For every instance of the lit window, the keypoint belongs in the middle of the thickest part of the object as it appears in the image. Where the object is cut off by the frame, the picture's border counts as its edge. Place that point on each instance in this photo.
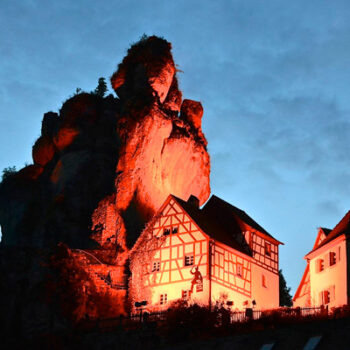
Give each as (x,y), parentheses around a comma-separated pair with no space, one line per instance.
(185,294)
(156,266)
(239,270)
(267,249)
(166,232)
(263,281)
(319,265)
(332,258)
(188,260)
(163,299)
(175,230)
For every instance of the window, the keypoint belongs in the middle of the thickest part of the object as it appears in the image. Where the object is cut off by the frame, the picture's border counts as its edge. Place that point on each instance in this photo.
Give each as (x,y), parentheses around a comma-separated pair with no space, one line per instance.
(319,265)
(267,249)
(325,297)
(263,281)
(163,299)
(166,231)
(188,260)
(186,294)
(156,266)
(239,270)
(332,258)
(175,230)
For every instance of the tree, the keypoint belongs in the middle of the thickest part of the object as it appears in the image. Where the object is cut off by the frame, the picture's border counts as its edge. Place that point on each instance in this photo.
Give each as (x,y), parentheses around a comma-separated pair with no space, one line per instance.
(101,88)
(6,172)
(285,297)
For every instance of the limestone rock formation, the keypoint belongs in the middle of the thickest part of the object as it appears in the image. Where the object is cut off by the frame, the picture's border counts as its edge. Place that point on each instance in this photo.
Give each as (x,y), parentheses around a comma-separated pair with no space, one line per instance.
(103,165)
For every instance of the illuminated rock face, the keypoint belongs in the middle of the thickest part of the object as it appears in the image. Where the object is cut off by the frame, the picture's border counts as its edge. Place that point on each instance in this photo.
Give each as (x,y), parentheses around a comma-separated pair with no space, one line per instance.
(103,166)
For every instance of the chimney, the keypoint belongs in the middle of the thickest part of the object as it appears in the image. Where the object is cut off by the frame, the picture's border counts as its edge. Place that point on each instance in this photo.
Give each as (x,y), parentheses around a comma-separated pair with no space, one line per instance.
(193,200)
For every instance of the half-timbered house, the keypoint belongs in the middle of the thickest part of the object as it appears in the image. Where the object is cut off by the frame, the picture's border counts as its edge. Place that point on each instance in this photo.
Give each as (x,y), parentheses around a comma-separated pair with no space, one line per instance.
(216,253)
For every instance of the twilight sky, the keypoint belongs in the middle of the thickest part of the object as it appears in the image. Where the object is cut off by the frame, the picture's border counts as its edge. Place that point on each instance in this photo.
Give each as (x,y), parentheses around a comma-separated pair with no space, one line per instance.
(273,78)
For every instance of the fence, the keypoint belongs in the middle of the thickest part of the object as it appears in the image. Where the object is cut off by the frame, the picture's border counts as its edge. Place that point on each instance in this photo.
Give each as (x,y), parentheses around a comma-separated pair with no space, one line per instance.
(235,316)
(239,316)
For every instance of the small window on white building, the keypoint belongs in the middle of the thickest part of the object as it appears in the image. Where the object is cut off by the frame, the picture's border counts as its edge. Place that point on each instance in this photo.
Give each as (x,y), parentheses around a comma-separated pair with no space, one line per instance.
(156,266)
(185,294)
(175,230)
(267,249)
(263,281)
(319,265)
(188,260)
(239,271)
(166,231)
(332,258)
(163,299)
(325,297)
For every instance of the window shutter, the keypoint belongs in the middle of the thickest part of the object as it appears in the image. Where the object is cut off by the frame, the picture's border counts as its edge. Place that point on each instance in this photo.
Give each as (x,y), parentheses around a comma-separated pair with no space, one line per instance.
(320,298)
(326,260)
(332,293)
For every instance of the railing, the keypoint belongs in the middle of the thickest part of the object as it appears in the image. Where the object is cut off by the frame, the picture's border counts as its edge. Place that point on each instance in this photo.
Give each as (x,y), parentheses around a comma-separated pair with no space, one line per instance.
(134,320)
(238,316)
(89,254)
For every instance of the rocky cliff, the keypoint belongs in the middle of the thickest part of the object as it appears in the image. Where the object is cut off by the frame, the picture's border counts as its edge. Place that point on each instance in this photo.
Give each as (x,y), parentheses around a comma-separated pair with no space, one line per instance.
(103,165)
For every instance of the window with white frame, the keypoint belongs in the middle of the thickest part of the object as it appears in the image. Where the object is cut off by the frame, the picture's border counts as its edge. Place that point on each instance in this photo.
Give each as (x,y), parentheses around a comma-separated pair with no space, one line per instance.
(239,270)
(156,266)
(185,294)
(188,260)
(163,299)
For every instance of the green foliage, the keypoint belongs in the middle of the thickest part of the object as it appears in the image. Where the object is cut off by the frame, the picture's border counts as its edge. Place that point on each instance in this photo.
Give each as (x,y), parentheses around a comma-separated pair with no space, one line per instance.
(101,88)
(7,172)
(285,297)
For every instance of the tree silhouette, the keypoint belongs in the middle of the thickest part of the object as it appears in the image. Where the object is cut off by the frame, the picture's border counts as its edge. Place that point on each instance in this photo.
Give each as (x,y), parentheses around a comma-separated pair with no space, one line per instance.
(101,88)
(6,172)
(285,297)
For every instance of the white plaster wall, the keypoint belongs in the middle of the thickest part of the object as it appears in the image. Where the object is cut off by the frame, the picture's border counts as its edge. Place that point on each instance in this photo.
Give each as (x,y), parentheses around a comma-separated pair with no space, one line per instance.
(238,299)
(331,275)
(174,292)
(265,297)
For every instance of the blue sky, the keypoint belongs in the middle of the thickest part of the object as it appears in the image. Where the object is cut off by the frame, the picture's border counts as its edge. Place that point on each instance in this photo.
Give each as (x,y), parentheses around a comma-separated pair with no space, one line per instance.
(273,77)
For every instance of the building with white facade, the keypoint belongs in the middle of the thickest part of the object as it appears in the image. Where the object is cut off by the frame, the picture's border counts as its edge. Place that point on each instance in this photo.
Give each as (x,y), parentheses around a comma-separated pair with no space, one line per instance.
(204,255)
(326,277)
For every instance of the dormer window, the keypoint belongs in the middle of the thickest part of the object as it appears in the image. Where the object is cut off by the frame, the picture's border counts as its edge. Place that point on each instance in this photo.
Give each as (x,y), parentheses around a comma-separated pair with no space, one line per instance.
(267,249)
